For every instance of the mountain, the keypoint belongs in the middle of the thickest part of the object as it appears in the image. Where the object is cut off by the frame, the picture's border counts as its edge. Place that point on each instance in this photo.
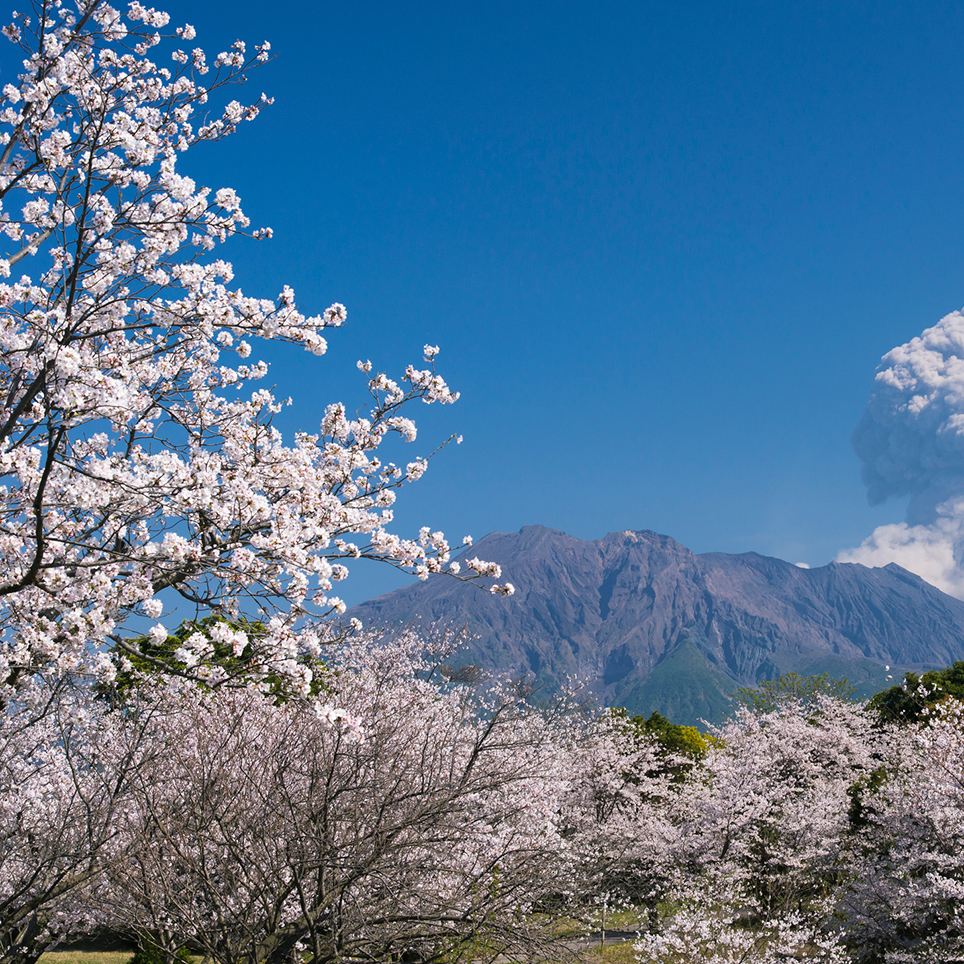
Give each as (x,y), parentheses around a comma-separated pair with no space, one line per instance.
(654,626)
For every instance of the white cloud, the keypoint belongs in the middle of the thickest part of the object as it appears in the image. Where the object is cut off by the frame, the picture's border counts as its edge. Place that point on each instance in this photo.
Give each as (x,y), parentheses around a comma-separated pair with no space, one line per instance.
(911,442)
(932,552)
(911,435)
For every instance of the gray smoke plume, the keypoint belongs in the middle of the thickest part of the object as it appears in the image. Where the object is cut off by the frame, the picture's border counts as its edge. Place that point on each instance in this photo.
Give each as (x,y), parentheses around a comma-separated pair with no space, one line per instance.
(911,442)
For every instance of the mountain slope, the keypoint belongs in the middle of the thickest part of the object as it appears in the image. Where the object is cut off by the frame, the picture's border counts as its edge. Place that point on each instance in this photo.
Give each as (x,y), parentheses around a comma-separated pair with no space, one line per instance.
(655,626)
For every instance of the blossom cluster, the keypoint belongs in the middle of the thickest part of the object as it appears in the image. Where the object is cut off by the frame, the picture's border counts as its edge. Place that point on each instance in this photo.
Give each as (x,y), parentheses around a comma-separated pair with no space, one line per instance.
(409,808)
(137,454)
(418,811)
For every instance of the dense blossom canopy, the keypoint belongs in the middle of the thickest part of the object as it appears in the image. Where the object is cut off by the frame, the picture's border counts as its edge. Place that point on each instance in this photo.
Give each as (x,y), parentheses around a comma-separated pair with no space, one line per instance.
(375,806)
(136,454)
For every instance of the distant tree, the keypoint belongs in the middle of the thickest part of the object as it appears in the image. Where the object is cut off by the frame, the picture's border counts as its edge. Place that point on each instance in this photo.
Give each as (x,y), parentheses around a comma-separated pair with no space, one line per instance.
(672,738)
(762,841)
(918,695)
(672,748)
(905,903)
(618,818)
(792,688)
(770,812)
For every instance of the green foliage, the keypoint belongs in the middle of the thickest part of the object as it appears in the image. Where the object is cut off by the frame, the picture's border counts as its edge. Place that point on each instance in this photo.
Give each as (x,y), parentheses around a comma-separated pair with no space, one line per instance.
(907,703)
(673,739)
(770,695)
(151,951)
(679,746)
(143,658)
(861,793)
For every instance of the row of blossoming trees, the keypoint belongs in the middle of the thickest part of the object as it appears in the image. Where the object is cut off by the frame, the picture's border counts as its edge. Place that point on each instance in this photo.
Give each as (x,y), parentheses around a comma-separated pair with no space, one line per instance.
(261,785)
(441,816)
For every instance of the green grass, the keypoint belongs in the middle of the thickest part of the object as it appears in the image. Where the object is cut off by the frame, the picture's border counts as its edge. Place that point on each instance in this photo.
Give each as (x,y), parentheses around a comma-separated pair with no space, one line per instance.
(616,953)
(610,954)
(86,957)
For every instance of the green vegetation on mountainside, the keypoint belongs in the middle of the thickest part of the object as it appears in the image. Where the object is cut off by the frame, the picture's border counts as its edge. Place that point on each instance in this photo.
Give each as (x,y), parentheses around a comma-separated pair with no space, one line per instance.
(684,688)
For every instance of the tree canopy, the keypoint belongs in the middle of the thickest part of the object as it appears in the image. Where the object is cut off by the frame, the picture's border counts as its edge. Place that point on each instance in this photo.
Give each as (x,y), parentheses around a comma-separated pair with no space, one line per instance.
(769,695)
(139,462)
(917,696)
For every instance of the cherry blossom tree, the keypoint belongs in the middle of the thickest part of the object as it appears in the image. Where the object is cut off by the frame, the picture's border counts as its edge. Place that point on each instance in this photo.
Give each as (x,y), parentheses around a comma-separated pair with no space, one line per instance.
(705,930)
(619,819)
(65,771)
(764,844)
(773,816)
(375,810)
(424,818)
(905,902)
(136,453)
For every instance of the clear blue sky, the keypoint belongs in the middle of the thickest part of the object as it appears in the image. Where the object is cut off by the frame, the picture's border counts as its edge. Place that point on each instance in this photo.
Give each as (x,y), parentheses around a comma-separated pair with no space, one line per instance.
(663,246)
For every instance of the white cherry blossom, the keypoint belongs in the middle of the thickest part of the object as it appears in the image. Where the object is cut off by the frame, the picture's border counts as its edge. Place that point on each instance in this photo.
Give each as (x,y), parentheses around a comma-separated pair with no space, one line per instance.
(136,453)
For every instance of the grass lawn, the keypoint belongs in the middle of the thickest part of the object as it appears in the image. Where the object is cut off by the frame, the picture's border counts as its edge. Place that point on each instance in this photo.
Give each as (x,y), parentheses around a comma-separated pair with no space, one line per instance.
(616,953)
(611,954)
(86,957)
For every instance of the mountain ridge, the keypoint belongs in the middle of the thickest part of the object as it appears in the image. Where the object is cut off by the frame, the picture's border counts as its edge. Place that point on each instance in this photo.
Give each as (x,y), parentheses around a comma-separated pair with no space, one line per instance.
(635,603)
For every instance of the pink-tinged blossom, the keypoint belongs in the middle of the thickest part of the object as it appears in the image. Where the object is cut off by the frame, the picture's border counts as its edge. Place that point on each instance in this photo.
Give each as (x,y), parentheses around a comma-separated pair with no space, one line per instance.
(905,901)
(411,800)
(124,327)
(765,835)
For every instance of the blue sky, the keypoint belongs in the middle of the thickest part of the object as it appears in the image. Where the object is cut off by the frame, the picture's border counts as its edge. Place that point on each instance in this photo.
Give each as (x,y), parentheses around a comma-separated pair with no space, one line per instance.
(663,246)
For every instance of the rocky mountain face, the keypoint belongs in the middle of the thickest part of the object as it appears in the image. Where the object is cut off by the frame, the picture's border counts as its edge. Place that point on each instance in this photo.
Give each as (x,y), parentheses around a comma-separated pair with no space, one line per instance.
(653,626)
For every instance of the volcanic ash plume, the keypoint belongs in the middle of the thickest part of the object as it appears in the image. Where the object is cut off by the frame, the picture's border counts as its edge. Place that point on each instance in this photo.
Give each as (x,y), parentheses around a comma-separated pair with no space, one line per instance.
(911,442)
